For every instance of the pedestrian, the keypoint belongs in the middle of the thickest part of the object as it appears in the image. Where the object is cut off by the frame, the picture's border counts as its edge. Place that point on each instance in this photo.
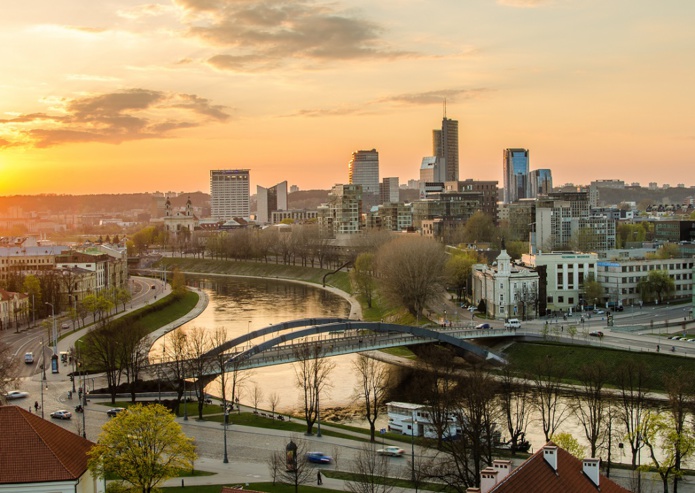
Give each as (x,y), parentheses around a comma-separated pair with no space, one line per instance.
(36,405)
(318,478)
(658,348)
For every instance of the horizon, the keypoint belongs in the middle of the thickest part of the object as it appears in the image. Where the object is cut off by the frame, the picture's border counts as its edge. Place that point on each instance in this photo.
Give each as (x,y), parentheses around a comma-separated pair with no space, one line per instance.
(131,97)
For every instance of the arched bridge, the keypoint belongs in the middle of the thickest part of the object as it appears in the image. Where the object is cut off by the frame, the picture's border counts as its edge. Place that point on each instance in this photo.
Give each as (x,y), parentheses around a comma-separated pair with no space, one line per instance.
(289,340)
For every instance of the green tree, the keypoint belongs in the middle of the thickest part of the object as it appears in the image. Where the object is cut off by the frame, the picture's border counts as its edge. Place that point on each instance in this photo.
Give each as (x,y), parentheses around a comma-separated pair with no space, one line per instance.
(570,444)
(480,227)
(362,277)
(458,270)
(593,290)
(657,284)
(178,283)
(144,446)
(32,286)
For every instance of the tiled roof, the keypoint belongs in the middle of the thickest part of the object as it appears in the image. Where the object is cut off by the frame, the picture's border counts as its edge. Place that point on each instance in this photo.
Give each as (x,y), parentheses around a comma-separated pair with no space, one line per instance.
(538,476)
(36,450)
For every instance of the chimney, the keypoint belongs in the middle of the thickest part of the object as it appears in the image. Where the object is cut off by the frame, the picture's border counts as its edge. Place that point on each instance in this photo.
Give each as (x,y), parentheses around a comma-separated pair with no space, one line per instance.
(488,479)
(590,468)
(503,467)
(550,455)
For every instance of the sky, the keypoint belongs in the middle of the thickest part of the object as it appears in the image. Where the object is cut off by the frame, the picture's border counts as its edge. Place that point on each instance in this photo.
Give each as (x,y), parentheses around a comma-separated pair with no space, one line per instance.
(123,96)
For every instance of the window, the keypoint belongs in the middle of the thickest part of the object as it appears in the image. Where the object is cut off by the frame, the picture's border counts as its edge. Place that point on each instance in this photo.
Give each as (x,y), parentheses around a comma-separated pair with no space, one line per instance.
(560,299)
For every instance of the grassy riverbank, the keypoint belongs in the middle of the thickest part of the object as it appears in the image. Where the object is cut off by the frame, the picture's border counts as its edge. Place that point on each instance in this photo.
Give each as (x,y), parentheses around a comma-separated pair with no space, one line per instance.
(524,356)
(339,280)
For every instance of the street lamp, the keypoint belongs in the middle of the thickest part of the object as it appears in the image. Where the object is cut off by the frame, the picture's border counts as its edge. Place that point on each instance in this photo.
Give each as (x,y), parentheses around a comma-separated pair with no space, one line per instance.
(226,417)
(55,336)
(185,404)
(83,401)
(44,383)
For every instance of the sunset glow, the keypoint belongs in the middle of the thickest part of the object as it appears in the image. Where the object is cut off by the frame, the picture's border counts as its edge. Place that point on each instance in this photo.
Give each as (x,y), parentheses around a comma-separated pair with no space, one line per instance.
(128,96)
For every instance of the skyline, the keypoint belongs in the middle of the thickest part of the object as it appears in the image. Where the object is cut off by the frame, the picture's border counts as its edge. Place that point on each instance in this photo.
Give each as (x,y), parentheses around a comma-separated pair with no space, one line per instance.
(128,96)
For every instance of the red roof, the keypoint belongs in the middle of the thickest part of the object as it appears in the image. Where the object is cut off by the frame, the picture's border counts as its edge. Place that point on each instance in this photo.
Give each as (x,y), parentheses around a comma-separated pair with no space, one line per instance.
(538,476)
(35,450)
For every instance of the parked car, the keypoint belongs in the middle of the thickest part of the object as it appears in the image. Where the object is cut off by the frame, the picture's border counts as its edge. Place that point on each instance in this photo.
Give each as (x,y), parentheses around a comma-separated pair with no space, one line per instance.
(16,394)
(318,458)
(61,414)
(596,333)
(114,411)
(391,450)
(483,326)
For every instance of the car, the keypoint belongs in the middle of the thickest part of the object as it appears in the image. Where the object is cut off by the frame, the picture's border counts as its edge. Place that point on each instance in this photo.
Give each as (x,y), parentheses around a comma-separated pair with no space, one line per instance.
(483,326)
(318,458)
(391,450)
(619,308)
(596,333)
(599,312)
(16,394)
(28,358)
(61,414)
(114,411)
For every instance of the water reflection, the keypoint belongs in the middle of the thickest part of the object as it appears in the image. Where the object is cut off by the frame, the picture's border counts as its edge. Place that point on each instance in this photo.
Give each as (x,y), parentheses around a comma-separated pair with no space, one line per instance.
(242,305)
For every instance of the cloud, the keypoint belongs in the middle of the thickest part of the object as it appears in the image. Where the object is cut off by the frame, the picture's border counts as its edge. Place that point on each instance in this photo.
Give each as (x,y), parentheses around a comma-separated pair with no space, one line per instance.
(524,4)
(264,35)
(414,99)
(132,114)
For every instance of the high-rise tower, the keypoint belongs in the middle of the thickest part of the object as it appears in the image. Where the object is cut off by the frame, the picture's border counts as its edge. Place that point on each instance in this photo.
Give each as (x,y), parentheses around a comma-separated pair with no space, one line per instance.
(229,193)
(515,170)
(445,145)
(269,200)
(363,169)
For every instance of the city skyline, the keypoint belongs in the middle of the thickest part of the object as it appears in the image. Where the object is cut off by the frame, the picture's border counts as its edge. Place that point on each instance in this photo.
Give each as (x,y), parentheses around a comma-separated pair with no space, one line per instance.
(128,97)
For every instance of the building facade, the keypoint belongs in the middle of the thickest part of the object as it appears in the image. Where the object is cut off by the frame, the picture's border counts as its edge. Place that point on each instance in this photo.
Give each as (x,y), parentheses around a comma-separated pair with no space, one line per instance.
(487,189)
(363,170)
(540,182)
(390,191)
(229,193)
(515,170)
(342,214)
(445,145)
(269,200)
(296,215)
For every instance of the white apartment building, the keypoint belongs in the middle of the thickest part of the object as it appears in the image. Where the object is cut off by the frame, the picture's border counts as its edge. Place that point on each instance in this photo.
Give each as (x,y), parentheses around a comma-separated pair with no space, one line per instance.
(229,194)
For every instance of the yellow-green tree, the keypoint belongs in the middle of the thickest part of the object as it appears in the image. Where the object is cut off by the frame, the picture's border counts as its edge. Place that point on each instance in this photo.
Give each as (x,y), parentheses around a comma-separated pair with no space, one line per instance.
(569,443)
(144,447)
(458,270)
(178,283)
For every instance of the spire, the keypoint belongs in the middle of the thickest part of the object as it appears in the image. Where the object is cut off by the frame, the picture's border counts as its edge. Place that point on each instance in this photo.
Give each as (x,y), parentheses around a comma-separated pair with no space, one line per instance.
(445,108)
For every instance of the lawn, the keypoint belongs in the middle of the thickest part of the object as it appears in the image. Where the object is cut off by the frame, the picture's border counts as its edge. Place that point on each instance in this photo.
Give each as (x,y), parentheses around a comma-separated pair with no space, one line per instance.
(570,359)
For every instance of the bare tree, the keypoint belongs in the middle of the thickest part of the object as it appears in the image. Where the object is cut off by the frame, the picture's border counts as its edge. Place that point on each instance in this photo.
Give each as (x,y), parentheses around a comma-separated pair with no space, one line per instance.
(175,350)
(514,400)
(297,469)
(681,396)
(311,371)
(411,272)
(102,354)
(200,365)
(370,472)
(547,378)
(362,277)
(133,344)
(372,388)
(273,401)
(219,337)
(256,395)
(590,406)
(632,381)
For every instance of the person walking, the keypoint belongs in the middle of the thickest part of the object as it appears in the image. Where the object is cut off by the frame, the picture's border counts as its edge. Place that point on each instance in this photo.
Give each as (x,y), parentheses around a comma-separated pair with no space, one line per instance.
(318,478)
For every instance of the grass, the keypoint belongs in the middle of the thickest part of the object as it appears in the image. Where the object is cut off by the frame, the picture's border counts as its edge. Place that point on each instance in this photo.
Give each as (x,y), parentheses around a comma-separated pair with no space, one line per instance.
(523,356)
(266,487)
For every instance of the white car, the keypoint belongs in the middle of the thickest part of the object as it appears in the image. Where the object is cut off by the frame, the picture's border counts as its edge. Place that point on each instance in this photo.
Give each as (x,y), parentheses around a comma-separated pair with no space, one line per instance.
(391,450)
(16,394)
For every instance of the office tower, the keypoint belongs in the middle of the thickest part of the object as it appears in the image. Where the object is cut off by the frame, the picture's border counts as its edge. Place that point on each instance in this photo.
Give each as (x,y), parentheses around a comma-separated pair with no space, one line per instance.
(363,169)
(445,145)
(431,175)
(270,200)
(540,182)
(229,191)
(390,193)
(515,170)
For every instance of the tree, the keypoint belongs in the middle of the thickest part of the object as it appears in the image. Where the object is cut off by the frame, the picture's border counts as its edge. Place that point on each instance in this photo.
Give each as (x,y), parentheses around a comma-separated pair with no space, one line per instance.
(411,272)
(593,290)
(9,369)
(311,371)
(590,405)
(480,227)
(273,402)
(123,296)
(370,472)
(372,388)
(200,365)
(547,378)
(292,470)
(102,354)
(133,346)
(632,381)
(178,283)
(657,284)
(458,270)
(570,444)
(256,395)
(32,286)
(362,277)
(681,396)
(515,406)
(144,446)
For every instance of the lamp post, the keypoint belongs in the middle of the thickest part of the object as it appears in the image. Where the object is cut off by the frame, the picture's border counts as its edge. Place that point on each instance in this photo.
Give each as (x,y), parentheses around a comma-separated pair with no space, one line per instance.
(83,402)
(43,377)
(412,452)
(226,417)
(185,403)
(318,413)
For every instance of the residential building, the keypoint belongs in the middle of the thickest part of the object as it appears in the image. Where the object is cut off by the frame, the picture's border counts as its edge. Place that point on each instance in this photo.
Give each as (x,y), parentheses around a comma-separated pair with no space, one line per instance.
(41,456)
(229,193)
(389,190)
(445,145)
(487,189)
(269,200)
(14,309)
(540,182)
(565,276)
(509,290)
(457,207)
(342,214)
(390,216)
(558,218)
(550,470)
(515,170)
(28,260)
(674,231)
(520,217)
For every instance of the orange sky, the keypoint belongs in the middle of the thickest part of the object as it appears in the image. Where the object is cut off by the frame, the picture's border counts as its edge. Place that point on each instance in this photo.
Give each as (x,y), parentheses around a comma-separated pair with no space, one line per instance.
(126,96)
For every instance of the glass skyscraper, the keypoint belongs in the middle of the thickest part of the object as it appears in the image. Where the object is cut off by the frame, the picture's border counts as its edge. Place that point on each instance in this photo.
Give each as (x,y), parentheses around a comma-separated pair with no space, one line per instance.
(516,172)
